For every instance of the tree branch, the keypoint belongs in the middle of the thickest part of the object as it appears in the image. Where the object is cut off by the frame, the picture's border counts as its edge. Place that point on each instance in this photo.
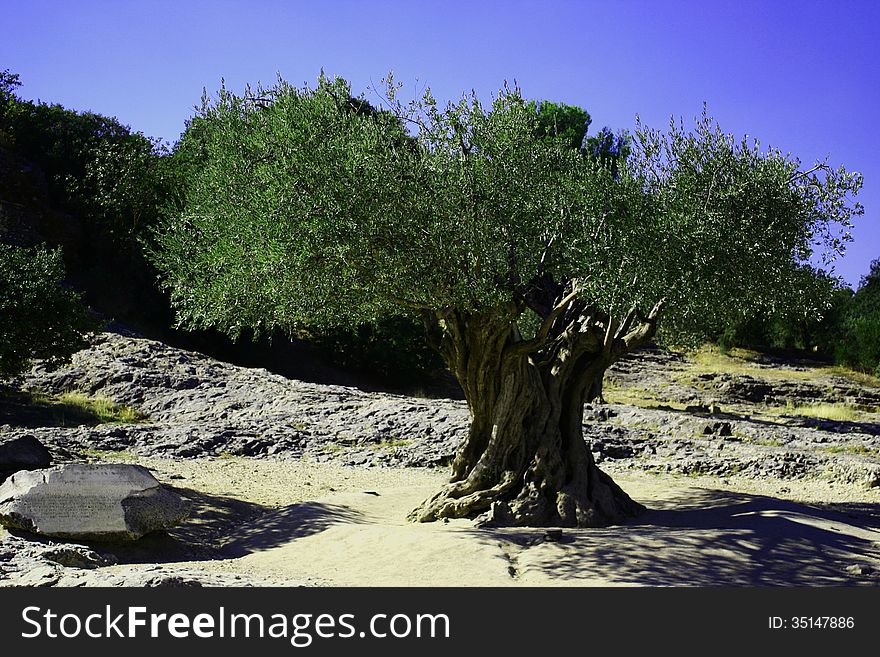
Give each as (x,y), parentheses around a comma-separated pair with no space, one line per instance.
(544,255)
(627,322)
(465,148)
(610,333)
(822,165)
(645,330)
(541,336)
(433,332)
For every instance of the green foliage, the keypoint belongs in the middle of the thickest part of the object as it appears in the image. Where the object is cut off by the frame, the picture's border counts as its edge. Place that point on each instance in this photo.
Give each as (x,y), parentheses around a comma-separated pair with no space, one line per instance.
(393,348)
(8,83)
(742,224)
(187,158)
(785,328)
(859,346)
(561,124)
(274,256)
(848,329)
(39,317)
(307,211)
(89,184)
(95,167)
(127,183)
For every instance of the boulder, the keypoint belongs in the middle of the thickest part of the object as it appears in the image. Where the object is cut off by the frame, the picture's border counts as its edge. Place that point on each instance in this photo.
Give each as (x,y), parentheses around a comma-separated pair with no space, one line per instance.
(76,556)
(746,388)
(23,453)
(718,429)
(112,502)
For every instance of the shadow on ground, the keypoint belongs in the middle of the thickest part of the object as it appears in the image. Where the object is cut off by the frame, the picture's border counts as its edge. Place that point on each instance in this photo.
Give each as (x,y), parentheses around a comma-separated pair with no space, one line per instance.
(222,527)
(752,413)
(710,538)
(834,426)
(22,410)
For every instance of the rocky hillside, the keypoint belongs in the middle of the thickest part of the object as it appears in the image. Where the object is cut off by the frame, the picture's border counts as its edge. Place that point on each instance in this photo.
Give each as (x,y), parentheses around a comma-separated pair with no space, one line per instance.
(706,414)
(198,406)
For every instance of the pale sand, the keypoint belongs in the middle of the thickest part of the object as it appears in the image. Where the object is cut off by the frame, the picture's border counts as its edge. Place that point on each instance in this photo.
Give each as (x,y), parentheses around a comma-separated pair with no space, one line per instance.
(321,523)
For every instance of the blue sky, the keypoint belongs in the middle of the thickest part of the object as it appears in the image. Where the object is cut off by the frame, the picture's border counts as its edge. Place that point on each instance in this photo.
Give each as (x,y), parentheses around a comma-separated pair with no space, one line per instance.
(802,76)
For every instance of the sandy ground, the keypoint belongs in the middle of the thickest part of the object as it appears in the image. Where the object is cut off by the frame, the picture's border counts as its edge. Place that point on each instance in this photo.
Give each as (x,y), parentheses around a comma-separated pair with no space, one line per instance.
(315,523)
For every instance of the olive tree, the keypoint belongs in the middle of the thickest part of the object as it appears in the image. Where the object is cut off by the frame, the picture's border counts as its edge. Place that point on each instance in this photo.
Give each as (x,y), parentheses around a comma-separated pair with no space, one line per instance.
(533,265)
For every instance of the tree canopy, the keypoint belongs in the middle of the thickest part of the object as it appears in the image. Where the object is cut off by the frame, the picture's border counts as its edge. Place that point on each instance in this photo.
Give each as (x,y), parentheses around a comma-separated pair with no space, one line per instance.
(95,167)
(308,211)
(860,330)
(39,317)
(534,265)
(90,186)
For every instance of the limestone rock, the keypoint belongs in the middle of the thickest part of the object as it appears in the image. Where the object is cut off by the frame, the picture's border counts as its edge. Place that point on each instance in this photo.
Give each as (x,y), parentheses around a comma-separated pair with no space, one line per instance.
(718,429)
(200,407)
(90,502)
(76,556)
(859,569)
(22,453)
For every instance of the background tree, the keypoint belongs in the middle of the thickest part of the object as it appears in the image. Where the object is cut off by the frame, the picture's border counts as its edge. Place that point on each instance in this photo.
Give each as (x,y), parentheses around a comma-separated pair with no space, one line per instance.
(8,83)
(607,148)
(791,327)
(533,267)
(560,123)
(87,184)
(859,346)
(39,316)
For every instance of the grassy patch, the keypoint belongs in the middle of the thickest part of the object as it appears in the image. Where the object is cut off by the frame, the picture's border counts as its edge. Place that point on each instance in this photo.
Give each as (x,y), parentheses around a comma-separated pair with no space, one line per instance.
(766,442)
(392,442)
(633,396)
(71,409)
(121,456)
(104,410)
(862,378)
(858,450)
(835,412)
(710,360)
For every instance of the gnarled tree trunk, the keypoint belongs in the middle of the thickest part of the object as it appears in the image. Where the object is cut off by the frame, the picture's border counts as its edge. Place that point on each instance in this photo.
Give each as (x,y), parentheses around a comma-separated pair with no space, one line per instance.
(525,461)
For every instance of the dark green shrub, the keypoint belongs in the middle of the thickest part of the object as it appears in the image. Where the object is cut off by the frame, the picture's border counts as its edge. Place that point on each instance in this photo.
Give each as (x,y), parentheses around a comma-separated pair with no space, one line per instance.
(39,316)
(393,348)
(859,343)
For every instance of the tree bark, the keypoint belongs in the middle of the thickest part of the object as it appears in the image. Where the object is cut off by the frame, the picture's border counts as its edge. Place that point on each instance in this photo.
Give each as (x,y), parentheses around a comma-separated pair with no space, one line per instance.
(525,461)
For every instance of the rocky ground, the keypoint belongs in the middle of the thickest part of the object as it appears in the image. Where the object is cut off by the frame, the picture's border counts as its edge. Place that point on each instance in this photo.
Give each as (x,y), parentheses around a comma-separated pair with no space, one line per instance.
(687,421)
(748,420)
(199,406)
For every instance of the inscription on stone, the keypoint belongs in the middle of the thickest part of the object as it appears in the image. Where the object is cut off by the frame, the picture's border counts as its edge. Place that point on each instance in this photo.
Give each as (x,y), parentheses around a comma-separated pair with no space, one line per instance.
(89,501)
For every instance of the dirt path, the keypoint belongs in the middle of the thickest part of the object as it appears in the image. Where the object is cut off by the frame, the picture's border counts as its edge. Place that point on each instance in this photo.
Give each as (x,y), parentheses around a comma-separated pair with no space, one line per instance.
(319,523)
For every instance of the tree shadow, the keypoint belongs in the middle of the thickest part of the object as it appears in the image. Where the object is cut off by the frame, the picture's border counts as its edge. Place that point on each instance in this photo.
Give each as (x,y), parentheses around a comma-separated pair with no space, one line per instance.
(717,416)
(784,420)
(23,410)
(833,426)
(221,527)
(711,538)
(283,525)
